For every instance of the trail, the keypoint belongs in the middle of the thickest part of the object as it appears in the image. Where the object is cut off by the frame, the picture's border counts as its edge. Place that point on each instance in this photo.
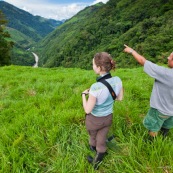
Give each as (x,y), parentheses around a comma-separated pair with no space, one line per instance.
(36,60)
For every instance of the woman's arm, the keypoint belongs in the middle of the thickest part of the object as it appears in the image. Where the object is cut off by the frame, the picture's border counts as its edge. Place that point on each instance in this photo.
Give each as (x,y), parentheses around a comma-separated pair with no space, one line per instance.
(120,95)
(89,104)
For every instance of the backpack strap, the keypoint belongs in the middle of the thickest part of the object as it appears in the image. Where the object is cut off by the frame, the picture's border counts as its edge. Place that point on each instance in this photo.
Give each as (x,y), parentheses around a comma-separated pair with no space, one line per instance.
(109,88)
(103,81)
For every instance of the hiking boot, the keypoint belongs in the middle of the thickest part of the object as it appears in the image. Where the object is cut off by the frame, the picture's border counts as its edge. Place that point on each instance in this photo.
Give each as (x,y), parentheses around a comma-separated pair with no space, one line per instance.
(92,148)
(164,132)
(90,159)
(98,158)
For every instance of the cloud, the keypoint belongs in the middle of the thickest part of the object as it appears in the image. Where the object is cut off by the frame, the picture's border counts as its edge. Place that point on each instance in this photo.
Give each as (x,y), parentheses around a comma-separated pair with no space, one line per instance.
(53,10)
(57,12)
(97,1)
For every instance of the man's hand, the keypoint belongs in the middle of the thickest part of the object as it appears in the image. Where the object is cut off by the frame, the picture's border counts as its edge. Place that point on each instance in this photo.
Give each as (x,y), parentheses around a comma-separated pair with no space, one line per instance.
(128,49)
(141,60)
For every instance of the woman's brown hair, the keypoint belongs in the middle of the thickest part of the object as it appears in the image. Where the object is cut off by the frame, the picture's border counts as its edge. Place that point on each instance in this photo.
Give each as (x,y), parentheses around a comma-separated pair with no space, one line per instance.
(104,61)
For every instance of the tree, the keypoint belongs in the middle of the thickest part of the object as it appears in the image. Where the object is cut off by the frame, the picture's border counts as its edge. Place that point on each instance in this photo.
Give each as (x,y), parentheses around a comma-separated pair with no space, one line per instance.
(5,45)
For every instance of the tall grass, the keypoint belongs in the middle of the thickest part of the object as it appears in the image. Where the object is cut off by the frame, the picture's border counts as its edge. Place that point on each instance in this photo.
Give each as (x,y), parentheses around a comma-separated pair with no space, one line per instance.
(42,124)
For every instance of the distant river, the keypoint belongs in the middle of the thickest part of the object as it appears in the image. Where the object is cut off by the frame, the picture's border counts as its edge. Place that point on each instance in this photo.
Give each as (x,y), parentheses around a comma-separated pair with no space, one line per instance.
(36,60)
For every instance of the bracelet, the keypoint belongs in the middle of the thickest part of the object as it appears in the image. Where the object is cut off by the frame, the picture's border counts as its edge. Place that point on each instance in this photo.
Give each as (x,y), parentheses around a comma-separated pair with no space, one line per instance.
(83,93)
(131,51)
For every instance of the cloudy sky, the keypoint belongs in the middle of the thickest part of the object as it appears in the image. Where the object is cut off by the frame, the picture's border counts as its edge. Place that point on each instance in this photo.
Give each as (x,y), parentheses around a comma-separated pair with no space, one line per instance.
(54,9)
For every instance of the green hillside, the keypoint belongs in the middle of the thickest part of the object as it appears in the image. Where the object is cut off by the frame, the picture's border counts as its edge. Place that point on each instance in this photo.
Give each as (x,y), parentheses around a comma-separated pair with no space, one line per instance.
(25,30)
(147,27)
(35,27)
(42,123)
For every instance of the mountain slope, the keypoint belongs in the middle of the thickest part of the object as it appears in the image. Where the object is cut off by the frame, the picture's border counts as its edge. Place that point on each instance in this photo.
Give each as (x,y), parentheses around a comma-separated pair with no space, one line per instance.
(35,27)
(68,38)
(25,30)
(145,26)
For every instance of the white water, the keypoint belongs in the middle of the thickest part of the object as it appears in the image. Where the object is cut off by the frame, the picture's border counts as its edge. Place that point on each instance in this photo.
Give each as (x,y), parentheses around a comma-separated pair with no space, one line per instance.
(36,60)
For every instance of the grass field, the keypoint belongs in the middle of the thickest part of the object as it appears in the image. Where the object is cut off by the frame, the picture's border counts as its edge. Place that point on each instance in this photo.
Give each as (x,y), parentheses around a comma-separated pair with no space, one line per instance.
(42,124)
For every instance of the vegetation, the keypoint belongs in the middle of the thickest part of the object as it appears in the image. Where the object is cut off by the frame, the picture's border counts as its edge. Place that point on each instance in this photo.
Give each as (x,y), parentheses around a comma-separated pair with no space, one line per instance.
(147,27)
(25,30)
(41,116)
(5,45)
(42,123)
(20,55)
(35,27)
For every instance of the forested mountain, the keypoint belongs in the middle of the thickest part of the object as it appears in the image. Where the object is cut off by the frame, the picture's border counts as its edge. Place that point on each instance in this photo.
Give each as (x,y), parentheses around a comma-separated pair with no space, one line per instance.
(145,25)
(25,30)
(5,44)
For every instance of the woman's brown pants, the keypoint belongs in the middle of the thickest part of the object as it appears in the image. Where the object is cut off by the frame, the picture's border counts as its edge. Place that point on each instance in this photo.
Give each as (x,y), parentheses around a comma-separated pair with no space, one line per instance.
(98,128)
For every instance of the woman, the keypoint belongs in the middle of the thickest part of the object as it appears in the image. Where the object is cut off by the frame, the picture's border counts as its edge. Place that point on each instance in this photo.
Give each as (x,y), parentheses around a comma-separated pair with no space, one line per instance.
(99,105)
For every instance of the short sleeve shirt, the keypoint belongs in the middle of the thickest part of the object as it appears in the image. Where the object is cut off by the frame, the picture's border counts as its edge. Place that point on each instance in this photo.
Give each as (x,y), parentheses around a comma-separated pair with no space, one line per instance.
(162,92)
(104,100)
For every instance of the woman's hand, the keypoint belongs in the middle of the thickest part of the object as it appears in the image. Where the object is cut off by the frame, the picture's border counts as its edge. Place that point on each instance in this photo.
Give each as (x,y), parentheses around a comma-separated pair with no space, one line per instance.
(86,92)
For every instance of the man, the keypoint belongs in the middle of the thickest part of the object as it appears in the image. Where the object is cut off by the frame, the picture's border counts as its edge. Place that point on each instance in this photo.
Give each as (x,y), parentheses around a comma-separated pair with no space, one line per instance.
(160,114)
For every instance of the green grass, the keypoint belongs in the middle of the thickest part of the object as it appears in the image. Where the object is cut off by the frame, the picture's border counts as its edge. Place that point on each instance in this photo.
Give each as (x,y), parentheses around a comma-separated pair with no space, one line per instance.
(42,123)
